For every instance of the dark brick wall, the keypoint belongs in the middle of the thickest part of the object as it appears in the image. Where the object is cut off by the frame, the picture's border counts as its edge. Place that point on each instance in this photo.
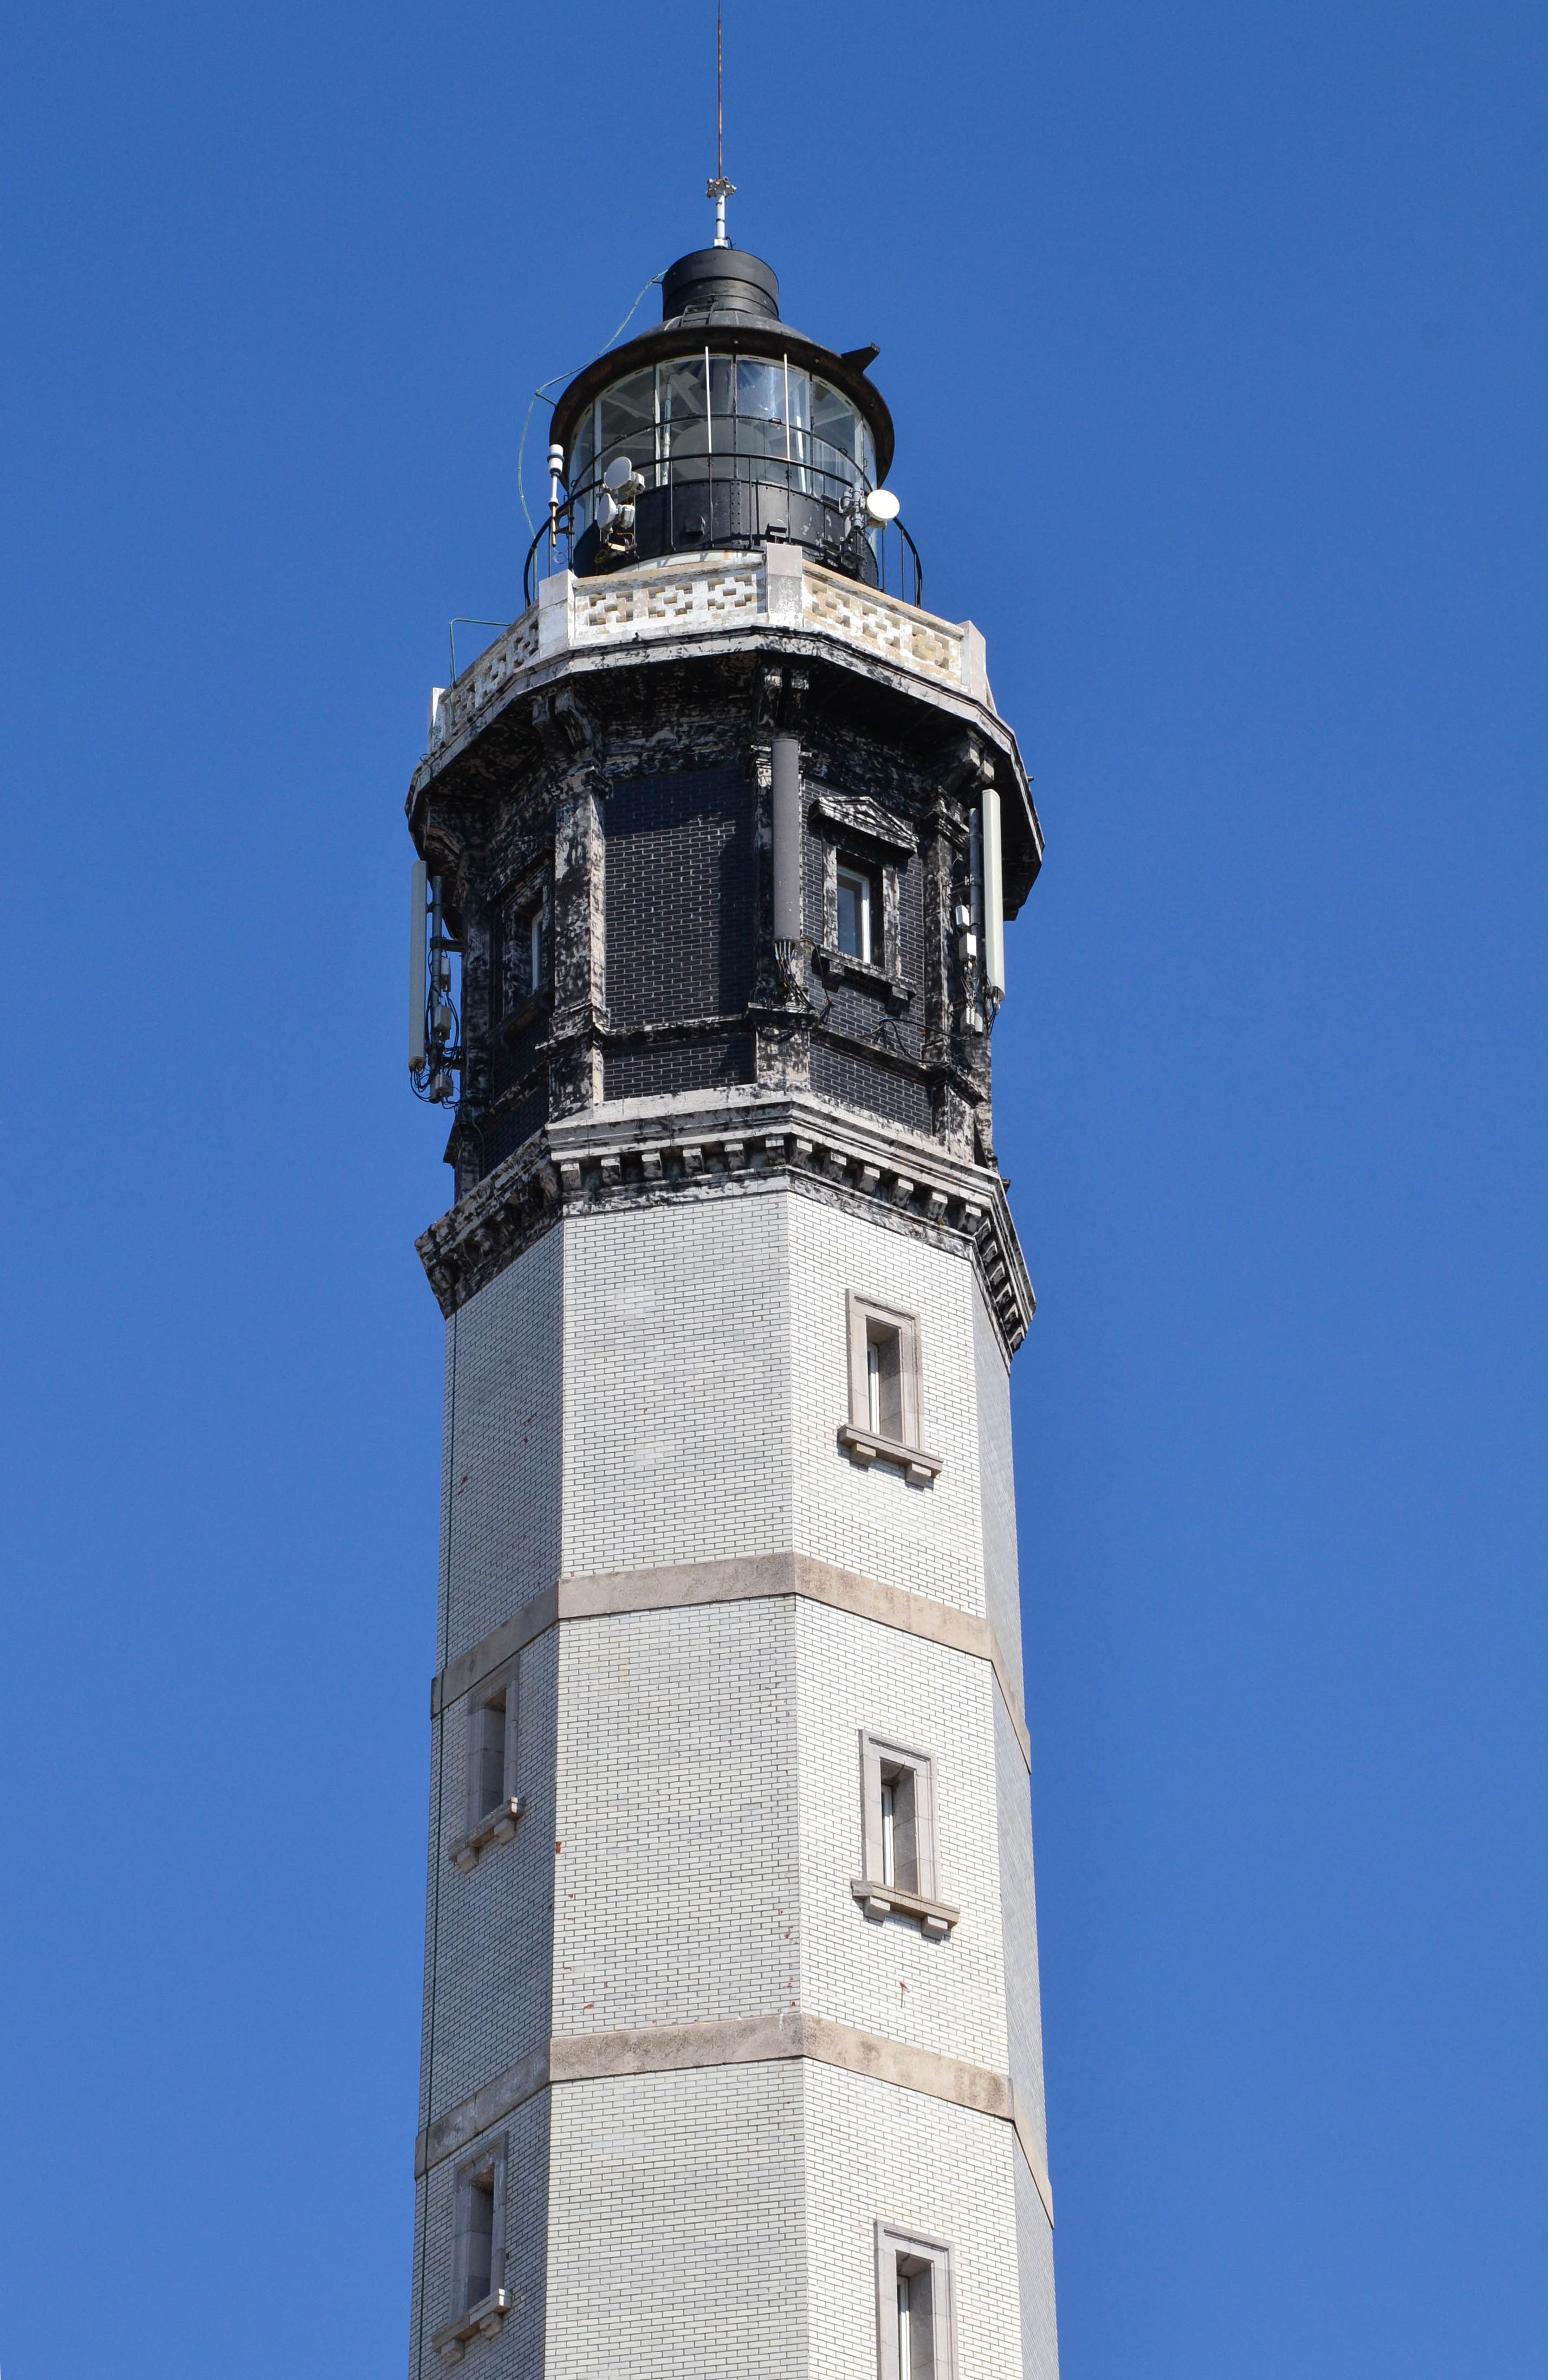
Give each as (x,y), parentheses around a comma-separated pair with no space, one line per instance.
(680,862)
(700,1065)
(679,871)
(513,1058)
(841,1075)
(504,1133)
(870,1016)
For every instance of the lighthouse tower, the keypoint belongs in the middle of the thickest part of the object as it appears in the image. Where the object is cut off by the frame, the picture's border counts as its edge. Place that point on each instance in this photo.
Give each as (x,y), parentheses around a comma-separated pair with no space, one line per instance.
(732,2063)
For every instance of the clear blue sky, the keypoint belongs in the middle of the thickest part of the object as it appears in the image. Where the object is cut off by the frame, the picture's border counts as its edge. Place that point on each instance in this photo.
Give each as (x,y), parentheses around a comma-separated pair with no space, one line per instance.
(1215,338)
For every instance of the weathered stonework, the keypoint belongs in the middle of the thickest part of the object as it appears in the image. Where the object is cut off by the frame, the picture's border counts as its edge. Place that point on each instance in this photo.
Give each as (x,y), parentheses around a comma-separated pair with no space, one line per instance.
(698,1147)
(523,799)
(783,600)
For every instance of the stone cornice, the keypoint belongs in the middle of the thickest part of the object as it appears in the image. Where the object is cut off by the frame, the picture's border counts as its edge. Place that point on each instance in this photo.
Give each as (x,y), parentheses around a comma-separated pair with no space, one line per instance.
(655,1152)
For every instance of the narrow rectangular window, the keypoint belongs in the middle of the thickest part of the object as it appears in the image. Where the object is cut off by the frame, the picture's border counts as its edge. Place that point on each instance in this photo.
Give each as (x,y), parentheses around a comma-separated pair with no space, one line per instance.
(884,1391)
(478,2247)
(491,1802)
(522,952)
(915,2320)
(854,913)
(884,1377)
(898,1816)
(479,2275)
(899,1826)
(488,1785)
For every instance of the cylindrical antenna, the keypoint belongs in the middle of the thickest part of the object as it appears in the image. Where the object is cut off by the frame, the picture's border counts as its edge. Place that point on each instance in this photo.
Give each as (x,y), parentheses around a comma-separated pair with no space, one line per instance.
(556,472)
(994,896)
(417,958)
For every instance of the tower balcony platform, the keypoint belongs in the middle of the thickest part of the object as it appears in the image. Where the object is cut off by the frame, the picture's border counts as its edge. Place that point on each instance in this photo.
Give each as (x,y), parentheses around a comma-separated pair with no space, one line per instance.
(714,601)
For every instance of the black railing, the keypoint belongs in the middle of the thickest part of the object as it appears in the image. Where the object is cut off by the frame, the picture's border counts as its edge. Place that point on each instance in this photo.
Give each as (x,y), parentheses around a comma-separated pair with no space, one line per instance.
(727,483)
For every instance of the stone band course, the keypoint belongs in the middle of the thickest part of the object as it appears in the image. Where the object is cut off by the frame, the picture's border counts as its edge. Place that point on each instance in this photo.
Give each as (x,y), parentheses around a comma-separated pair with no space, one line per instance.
(746,1578)
(738,2040)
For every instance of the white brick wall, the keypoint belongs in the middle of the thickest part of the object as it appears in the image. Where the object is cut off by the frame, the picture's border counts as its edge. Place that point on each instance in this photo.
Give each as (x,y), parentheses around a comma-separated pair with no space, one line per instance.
(708,1808)
(889,1978)
(1002,1592)
(677,1368)
(1019,1909)
(718,2223)
(501,1490)
(876,2152)
(1039,2335)
(698,1352)
(675,2228)
(494,1928)
(677,1888)
(928,1540)
(518,2352)
(706,1371)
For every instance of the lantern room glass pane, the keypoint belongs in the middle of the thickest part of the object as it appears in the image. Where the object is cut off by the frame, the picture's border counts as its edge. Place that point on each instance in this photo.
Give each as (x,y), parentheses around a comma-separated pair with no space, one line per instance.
(800,412)
(760,409)
(760,391)
(627,422)
(722,391)
(680,396)
(836,429)
(583,455)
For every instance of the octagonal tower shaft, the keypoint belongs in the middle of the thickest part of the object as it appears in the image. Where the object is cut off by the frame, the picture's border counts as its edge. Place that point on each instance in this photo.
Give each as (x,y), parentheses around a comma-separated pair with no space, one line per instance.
(731,2054)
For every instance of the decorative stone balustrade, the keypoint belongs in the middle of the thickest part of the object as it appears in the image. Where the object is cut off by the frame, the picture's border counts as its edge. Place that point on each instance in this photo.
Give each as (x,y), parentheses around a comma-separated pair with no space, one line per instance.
(705,595)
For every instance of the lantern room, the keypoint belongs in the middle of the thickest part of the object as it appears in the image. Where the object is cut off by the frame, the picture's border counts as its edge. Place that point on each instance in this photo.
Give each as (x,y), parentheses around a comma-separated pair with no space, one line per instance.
(725,428)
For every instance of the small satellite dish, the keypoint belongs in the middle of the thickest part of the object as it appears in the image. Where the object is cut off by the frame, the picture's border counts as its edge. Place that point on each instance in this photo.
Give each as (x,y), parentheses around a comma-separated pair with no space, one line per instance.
(619,470)
(881,505)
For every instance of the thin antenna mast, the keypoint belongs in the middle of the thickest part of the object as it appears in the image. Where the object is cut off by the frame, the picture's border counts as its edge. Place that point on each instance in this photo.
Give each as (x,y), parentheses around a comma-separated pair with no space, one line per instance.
(720,189)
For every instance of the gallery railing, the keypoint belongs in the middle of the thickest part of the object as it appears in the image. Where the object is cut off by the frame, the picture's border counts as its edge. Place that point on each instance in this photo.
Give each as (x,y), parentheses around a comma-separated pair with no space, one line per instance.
(725,482)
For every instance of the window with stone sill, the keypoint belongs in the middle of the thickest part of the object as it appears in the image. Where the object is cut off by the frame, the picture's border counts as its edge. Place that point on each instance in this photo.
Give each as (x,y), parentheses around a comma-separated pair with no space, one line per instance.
(479,2302)
(866,853)
(885,1392)
(861,937)
(523,956)
(899,1875)
(492,1804)
(915,2316)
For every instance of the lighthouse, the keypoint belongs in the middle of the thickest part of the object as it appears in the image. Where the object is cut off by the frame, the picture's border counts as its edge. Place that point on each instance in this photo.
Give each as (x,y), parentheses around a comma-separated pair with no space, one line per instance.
(731,2058)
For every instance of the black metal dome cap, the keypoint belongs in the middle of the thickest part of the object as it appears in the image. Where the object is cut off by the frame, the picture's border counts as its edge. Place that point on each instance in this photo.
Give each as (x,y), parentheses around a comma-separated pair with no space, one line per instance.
(722,280)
